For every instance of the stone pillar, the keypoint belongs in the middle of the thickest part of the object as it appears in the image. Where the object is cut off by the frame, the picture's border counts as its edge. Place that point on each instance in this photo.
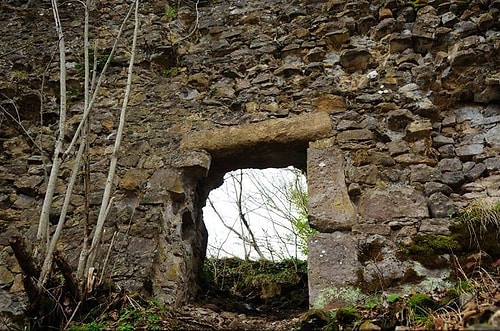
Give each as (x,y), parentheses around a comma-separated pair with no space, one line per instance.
(333,258)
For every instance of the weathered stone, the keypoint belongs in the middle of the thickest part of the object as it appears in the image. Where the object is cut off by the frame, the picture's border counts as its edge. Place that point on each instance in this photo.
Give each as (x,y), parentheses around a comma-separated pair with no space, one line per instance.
(384,204)
(453,178)
(421,173)
(6,277)
(468,151)
(199,80)
(474,172)
(383,28)
(398,147)
(329,206)
(363,157)
(336,39)
(355,59)
(330,103)
(306,127)
(492,163)
(441,206)
(161,183)
(492,137)
(433,187)
(365,228)
(333,264)
(355,135)
(418,130)
(399,42)
(435,226)
(368,174)
(410,158)
(447,151)
(134,179)
(450,165)
(441,140)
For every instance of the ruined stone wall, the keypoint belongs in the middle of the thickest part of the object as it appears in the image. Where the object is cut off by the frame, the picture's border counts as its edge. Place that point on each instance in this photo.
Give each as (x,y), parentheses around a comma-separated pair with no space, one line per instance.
(391,107)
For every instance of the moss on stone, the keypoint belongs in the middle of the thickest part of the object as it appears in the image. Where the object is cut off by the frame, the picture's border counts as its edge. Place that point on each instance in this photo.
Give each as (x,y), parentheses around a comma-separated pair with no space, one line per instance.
(429,250)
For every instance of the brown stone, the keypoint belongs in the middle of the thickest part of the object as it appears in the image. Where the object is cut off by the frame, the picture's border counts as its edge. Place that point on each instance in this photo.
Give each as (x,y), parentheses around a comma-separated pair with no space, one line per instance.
(134,179)
(330,103)
(305,127)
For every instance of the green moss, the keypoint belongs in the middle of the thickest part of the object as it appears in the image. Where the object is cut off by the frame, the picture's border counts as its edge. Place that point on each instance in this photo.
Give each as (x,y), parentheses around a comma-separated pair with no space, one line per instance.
(429,250)
(345,295)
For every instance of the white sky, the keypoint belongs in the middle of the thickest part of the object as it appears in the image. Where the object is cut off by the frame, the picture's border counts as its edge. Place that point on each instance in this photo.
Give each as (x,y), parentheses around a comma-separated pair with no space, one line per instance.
(271,230)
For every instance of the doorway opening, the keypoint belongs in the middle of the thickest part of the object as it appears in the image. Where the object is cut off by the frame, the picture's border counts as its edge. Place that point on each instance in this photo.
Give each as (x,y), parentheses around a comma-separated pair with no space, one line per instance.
(258,214)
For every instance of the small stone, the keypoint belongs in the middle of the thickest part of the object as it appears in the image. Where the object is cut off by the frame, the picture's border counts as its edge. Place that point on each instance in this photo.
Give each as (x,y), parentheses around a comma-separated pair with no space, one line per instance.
(330,103)
(453,178)
(450,165)
(441,140)
(468,151)
(440,206)
(447,151)
(398,120)
(475,172)
(433,187)
(356,59)
(418,130)
(134,179)
(492,164)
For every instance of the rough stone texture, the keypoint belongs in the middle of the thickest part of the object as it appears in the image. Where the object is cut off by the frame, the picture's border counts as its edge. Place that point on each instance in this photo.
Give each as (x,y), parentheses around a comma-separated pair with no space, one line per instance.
(387,203)
(329,206)
(413,95)
(333,264)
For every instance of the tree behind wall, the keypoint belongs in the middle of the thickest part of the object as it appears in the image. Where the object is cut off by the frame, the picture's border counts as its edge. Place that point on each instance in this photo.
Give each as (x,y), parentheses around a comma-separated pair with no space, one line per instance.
(268,214)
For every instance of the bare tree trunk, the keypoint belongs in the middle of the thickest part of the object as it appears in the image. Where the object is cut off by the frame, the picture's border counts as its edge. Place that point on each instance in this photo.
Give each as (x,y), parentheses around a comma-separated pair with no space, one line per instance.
(106,199)
(43,226)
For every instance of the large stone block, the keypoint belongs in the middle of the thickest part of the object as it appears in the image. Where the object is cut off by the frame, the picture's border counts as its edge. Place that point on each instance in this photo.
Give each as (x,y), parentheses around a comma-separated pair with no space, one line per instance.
(386,203)
(333,265)
(330,208)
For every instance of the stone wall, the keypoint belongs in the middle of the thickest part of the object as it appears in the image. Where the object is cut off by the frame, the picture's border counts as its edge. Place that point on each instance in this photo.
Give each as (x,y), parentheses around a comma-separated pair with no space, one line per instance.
(391,107)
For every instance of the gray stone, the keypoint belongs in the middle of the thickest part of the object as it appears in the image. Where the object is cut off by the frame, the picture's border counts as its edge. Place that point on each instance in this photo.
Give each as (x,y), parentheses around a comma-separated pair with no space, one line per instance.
(447,151)
(329,206)
(333,264)
(398,147)
(441,140)
(450,164)
(433,187)
(385,204)
(468,151)
(492,137)
(492,163)
(441,206)
(474,172)
(453,178)
(435,226)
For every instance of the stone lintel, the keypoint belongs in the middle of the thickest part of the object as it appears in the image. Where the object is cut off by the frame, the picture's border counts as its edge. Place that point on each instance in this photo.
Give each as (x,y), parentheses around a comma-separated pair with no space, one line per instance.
(220,141)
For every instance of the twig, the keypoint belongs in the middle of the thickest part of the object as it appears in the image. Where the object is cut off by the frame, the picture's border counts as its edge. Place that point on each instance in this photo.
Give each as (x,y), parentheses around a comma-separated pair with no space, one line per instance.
(194,27)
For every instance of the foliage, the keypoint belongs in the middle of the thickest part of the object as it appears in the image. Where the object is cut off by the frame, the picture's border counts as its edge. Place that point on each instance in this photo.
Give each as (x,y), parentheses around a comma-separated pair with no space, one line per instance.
(171,12)
(257,282)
